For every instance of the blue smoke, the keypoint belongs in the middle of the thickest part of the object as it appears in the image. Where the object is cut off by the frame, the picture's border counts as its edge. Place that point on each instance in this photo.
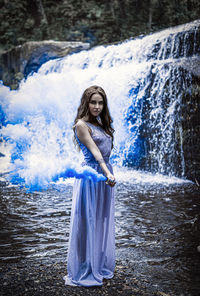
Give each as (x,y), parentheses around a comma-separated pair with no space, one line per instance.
(39,184)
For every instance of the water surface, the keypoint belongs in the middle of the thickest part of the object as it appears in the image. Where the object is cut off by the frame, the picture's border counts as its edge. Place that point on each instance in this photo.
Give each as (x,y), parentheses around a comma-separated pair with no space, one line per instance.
(157,230)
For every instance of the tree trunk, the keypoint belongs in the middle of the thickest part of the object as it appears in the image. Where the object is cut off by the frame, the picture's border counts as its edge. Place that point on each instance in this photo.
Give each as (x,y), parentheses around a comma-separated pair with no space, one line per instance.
(41,11)
(189,5)
(150,14)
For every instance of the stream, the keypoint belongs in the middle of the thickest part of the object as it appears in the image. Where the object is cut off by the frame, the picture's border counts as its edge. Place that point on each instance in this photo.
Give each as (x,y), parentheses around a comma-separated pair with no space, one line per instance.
(157,229)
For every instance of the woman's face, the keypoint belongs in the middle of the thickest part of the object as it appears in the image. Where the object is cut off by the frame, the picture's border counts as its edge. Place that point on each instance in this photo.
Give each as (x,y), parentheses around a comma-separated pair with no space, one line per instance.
(96,104)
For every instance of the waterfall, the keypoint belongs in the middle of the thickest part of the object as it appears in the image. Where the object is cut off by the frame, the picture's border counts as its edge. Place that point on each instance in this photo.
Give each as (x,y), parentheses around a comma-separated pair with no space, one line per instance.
(145,80)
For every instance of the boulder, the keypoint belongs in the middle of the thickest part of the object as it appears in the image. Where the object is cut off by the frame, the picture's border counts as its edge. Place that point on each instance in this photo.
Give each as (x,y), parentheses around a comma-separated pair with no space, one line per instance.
(21,60)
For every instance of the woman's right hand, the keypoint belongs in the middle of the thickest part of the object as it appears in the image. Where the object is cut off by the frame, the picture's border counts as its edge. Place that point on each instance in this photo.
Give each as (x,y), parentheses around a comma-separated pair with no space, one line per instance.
(110,180)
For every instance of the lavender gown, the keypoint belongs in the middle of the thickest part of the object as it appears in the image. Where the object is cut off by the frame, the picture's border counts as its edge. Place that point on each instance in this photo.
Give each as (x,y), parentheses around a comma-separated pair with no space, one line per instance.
(91,255)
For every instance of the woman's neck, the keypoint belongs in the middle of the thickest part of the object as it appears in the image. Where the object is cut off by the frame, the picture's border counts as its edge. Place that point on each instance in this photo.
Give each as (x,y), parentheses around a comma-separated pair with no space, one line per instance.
(91,119)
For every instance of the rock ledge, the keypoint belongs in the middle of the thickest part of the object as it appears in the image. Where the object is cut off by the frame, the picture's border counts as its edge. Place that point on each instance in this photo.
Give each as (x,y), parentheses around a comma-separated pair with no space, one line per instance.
(24,59)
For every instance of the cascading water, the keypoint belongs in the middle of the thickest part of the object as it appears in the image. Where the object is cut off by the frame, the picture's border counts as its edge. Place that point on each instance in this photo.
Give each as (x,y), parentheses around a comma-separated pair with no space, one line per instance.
(144,80)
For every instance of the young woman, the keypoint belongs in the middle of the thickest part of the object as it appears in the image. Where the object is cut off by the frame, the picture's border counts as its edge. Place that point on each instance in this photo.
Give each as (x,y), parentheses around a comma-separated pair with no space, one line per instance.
(91,255)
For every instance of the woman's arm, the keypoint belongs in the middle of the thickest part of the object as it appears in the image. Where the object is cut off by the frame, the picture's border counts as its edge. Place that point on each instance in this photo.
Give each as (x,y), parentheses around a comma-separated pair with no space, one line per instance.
(85,137)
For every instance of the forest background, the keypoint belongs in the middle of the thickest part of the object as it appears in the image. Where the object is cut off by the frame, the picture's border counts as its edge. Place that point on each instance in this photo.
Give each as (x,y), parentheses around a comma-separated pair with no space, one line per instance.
(94,21)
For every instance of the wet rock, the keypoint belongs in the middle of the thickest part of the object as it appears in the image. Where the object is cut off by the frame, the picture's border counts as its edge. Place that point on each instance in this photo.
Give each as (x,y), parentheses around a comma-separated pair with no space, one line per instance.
(162,294)
(24,59)
(32,278)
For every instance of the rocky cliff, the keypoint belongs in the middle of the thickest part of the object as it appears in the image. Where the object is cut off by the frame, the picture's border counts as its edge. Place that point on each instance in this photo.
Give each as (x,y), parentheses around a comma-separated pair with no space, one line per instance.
(24,59)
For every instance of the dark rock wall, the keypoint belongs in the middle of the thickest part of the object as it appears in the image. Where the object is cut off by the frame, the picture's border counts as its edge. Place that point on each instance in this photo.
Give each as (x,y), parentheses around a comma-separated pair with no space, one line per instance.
(190,120)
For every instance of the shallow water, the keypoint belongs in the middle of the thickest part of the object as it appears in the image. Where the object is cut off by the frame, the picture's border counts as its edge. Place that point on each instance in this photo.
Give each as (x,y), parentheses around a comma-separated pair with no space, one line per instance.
(157,230)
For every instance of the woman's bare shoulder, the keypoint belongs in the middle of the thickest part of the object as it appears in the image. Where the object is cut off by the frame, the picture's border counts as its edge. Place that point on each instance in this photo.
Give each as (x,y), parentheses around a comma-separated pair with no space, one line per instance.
(81,125)
(80,122)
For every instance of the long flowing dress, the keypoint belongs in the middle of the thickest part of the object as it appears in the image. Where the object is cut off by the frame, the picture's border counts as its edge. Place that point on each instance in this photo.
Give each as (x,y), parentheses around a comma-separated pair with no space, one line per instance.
(91,254)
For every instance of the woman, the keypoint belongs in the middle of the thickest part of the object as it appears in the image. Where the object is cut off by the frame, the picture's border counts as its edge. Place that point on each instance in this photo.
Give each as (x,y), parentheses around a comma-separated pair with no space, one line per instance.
(91,255)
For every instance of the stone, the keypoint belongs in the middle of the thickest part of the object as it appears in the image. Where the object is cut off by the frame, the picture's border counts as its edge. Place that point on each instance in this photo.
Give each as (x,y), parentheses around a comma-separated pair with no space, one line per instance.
(22,60)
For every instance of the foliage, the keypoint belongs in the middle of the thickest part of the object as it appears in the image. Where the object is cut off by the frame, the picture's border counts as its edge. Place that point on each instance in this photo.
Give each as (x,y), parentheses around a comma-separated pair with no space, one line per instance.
(97,22)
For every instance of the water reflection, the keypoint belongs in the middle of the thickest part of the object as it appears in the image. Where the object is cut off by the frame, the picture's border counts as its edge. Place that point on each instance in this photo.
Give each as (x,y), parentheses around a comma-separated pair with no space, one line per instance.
(34,225)
(157,229)
(160,234)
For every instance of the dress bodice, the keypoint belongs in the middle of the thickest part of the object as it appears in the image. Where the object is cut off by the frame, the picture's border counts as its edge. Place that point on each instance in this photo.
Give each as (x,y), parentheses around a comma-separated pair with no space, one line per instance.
(101,139)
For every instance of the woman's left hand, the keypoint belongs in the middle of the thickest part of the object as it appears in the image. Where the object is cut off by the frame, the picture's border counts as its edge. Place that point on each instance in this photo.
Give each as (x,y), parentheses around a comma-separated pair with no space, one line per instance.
(111,180)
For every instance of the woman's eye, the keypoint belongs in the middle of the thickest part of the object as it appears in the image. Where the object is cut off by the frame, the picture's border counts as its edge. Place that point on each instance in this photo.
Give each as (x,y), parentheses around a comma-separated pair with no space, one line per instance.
(94,103)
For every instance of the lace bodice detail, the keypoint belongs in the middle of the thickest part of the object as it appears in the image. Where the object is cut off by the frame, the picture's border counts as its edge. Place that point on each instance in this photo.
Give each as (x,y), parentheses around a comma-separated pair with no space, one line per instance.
(101,139)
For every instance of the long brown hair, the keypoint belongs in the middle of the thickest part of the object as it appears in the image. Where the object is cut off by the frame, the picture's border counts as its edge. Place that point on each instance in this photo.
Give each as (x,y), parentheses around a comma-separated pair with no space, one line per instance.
(83,110)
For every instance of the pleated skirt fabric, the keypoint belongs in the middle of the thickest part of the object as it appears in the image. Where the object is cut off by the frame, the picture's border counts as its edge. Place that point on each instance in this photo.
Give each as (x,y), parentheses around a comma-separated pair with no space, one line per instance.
(91,254)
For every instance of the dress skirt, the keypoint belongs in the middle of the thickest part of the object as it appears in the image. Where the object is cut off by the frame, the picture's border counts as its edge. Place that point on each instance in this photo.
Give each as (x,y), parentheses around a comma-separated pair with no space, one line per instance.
(91,255)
